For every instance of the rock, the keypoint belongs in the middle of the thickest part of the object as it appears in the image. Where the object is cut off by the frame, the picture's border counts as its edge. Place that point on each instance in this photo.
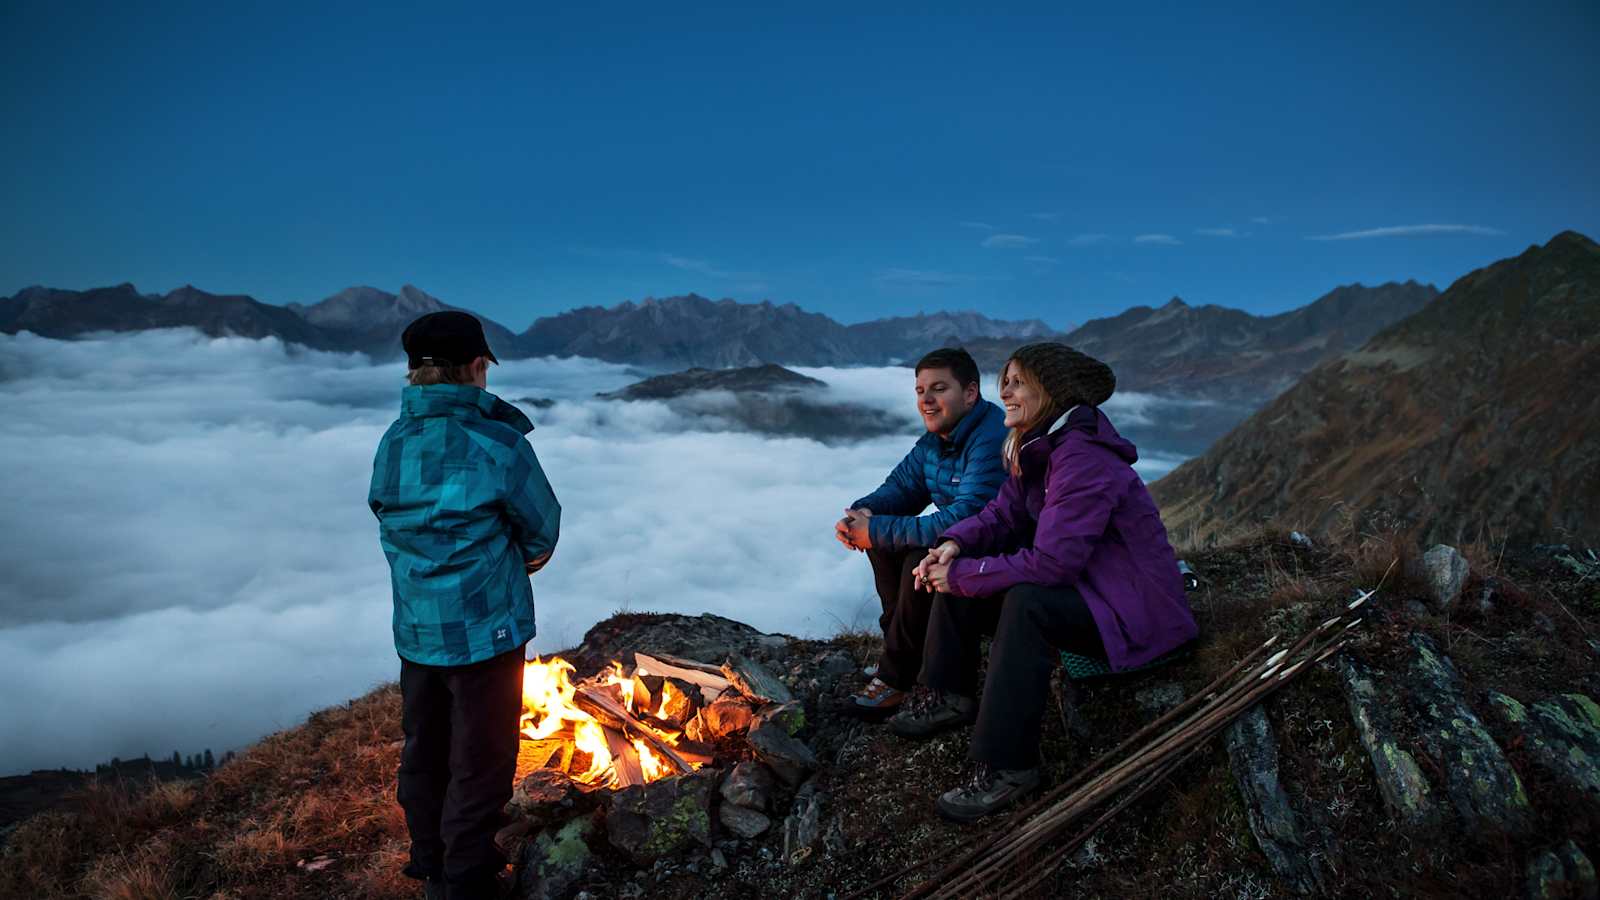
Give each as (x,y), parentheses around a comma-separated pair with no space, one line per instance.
(649,821)
(755,680)
(791,716)
(553,862)
(787,756)
(718,858)
(727,715)
(1564,872)
(707,638)
(1484,603)
(750,785)
(1481,785)
(746,823)
(1158,698)
(1543,624)
(1300,540)
(1446,571)
(802,828)
(1561,736)
(1405,792)
(1253,753)
(1415,609)
(548,794)
(836,663)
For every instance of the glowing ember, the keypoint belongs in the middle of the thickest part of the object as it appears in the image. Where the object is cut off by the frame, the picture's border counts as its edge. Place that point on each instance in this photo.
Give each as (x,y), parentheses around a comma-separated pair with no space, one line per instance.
(550,713)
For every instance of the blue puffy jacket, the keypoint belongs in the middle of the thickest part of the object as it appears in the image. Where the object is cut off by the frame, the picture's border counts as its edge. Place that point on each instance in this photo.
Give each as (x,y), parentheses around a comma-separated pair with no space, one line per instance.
(959,476)
(462,506)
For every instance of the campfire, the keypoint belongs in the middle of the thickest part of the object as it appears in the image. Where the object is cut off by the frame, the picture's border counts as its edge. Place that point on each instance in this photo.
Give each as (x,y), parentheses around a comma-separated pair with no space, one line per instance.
(622,728)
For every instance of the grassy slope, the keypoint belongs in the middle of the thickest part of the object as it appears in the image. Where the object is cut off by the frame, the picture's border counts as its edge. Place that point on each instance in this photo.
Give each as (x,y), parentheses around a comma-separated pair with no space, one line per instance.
(326,788)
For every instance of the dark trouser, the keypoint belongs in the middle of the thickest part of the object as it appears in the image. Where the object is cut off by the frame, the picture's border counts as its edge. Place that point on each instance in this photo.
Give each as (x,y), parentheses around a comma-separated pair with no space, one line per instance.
(905,614)
(1031,625)
(456,770)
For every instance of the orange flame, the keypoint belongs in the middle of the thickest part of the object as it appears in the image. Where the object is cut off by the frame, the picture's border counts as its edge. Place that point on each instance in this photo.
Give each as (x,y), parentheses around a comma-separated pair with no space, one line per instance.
(548,707)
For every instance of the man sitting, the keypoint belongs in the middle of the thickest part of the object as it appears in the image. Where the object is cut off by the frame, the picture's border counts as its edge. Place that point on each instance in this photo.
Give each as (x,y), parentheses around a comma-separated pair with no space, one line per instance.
(957,467)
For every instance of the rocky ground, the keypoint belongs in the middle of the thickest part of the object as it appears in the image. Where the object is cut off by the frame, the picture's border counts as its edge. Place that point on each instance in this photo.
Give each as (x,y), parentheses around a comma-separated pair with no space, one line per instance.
(1453,750)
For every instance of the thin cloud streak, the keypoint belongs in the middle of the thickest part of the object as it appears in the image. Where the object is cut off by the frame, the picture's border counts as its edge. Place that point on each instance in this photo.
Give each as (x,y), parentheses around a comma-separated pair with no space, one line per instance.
(1045,260)
(1008,241)
(1164,240)
(1217,232)
(1405,231)
(979,226)
(920,278)
(1085,240)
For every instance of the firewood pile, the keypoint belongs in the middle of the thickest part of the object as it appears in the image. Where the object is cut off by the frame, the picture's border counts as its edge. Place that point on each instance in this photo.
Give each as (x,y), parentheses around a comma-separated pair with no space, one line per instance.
(661,717)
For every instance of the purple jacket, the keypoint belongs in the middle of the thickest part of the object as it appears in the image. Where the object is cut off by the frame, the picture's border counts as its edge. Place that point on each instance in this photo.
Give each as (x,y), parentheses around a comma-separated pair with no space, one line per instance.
(1078,515)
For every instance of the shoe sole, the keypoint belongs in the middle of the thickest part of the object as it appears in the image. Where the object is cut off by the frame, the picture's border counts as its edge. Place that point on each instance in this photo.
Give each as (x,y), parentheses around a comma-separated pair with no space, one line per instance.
(869,713)
(967,817)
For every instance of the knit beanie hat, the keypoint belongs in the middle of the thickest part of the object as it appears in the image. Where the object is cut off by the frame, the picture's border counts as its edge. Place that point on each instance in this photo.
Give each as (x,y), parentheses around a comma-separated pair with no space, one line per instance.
(1068,376)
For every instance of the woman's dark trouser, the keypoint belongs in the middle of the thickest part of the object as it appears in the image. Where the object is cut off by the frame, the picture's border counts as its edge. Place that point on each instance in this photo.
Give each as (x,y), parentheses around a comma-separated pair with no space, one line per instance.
(905,614)
(1031,625)
(459,760)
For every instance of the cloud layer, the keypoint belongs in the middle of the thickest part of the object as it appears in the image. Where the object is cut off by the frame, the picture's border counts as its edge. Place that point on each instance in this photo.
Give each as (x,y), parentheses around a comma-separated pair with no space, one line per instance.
(192,564)
(1406,231)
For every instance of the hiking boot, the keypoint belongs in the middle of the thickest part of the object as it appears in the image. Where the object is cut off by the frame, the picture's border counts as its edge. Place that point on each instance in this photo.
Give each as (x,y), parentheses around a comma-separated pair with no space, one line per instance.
(876,700)
(933,712)
(988,791)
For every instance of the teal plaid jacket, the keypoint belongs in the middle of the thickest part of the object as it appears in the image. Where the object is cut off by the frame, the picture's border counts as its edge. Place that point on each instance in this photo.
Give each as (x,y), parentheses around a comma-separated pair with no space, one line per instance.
(462,505)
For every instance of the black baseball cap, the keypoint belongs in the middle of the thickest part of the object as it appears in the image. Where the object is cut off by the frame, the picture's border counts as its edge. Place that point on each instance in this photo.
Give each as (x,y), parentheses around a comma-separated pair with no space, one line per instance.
(446,338)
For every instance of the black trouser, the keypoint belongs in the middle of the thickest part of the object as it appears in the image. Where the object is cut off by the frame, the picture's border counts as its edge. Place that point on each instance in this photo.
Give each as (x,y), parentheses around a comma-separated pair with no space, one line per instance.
(905,614)
(1031,625)
(456,770)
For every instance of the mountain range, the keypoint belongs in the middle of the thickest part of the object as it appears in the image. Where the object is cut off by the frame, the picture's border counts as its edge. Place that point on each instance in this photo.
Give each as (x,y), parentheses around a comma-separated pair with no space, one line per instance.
(1474,417)
(1208,351)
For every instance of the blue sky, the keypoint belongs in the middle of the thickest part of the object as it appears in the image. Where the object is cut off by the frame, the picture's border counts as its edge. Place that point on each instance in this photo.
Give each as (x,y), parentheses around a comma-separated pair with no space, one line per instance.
(1057,162)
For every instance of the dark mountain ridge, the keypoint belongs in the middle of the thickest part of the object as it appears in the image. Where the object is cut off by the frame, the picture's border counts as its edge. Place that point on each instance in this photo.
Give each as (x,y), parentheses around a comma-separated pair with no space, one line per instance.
(1477,412)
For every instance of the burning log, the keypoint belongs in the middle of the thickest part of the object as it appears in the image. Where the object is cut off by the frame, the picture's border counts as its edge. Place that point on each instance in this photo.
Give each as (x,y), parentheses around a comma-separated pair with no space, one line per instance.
(754,681)
(591,700)
(627,770)
(647,693)
(708,678)
(677,703)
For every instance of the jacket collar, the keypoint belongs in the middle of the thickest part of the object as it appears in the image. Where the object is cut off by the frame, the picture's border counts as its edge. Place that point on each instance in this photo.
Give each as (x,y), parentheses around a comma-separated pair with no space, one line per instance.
(423,401)
(963,430)
(1039,443)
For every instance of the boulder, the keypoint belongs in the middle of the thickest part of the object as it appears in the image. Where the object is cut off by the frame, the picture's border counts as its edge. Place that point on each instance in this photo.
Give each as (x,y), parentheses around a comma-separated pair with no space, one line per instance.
(1253,754)
(755,680)
(746,823)
(1564,873)
(1400,782)
(551,863)
(1561,735)
(749,785)
(1481,785)
(1446,571)
(787,756)
(649,821)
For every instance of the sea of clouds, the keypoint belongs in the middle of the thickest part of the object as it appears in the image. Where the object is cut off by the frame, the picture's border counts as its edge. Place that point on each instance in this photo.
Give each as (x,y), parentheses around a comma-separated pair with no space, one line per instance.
(190,561)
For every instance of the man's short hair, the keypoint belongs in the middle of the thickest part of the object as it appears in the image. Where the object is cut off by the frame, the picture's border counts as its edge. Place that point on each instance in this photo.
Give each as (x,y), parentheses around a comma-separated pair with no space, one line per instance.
(440,375)
(957,360)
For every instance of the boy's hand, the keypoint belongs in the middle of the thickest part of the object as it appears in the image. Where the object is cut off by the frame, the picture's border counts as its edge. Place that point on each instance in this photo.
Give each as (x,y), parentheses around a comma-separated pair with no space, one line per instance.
(537,563)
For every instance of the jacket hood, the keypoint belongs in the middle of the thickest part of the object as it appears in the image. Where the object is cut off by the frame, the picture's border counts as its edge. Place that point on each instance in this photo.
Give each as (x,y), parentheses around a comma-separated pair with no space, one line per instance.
(422,401)
(1087,421)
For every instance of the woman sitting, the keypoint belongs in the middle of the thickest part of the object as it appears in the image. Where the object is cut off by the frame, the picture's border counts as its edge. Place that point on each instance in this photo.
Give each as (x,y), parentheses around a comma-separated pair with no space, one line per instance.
(1071,555)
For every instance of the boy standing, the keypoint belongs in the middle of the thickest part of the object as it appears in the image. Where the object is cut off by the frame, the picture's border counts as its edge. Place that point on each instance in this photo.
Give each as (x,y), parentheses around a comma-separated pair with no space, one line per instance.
(465,516)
